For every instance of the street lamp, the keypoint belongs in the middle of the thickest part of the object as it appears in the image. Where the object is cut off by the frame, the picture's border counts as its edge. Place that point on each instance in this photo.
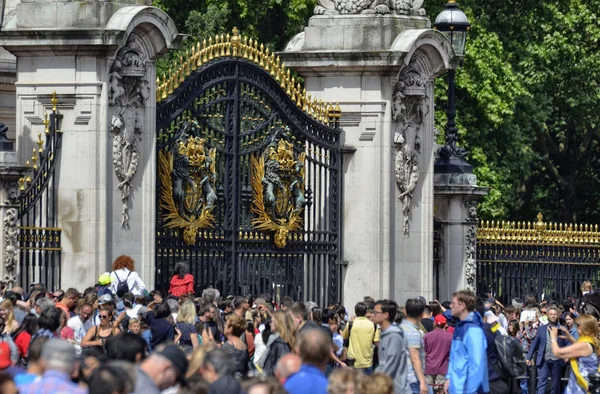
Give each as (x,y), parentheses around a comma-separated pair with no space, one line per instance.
(455,25)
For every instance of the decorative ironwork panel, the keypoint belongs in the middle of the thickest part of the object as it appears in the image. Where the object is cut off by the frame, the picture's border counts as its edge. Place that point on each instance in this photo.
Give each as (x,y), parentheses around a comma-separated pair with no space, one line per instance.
(39,238)
(249,182)
(514,259)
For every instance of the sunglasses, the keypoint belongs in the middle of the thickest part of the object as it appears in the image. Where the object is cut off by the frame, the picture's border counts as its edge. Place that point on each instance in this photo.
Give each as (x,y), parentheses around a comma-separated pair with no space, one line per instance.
(103,317)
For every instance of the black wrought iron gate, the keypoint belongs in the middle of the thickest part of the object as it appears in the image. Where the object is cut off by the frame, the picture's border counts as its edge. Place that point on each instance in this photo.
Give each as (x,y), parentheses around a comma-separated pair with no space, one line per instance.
(249,177)
(39,237)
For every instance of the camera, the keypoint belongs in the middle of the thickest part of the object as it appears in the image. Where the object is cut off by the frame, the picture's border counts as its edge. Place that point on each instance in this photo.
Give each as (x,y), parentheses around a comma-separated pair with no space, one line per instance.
(594,386)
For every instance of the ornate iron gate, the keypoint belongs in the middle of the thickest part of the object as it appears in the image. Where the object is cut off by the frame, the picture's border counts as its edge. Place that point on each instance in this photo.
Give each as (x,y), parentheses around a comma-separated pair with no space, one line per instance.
(249,176)
(39,237)
(515,259)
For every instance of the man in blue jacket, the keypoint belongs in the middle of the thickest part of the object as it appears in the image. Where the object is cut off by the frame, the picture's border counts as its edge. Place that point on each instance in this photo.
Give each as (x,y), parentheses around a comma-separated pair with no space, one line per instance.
(548,365)
(468,369)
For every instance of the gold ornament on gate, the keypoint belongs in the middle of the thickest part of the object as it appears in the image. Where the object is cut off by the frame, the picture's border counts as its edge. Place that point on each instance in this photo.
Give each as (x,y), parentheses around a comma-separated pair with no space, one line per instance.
(187,183)
(278,189)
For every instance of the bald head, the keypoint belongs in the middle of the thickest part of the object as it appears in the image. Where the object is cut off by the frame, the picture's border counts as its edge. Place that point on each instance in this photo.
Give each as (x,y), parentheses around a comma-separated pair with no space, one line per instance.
(287,365)
(315,347)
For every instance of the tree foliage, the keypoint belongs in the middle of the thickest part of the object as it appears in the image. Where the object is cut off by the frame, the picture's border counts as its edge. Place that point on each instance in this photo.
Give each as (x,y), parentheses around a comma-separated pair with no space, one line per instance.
(526,107)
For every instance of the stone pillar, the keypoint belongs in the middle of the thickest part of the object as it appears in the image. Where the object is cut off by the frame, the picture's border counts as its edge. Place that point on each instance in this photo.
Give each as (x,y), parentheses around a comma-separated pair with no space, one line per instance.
(99,58)
(456,199)
(379,68)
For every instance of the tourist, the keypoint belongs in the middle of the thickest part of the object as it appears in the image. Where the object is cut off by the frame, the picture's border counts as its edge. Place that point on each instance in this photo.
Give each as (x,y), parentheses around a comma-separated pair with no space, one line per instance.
(135,326)
(586,287)
(235,327)
(9,354)
(496,383)
(186,319)
(48,322)
(127,347)
(548,365)
(161,330)
(111,379)
(468,369)
(124,272)
(162,369)
(80,325)
(571,325)
(281,341)
(22,337)
(437,353)
(300,312)
(7,384)
(263,386)
(207,317)
(97,336)
(344,381)
(583,353)
(413,336)
(393,349)
(182,282)
(68,302)
(34,367)
(286,303)
(494,322)
(314,346)
(376,384)
(58,358)
(427,319)
(218,370)
(6,313)
(362,335)
(286,366)
(513,328)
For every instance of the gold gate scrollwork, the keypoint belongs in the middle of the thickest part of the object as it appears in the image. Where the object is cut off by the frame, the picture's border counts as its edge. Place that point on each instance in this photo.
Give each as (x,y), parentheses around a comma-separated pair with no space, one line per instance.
(278,190)
(187,186)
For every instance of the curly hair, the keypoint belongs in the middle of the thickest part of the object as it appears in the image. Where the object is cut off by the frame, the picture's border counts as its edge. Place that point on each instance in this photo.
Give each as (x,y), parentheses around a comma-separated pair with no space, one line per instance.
(123,262)
(237,324)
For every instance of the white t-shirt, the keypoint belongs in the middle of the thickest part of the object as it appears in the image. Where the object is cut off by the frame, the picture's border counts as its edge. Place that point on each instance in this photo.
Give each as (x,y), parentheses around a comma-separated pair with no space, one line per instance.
(134,282)
(80,329)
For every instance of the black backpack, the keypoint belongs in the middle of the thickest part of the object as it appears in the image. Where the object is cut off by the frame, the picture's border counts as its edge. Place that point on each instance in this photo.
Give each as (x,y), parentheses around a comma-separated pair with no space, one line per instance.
(122,286)
(511,362)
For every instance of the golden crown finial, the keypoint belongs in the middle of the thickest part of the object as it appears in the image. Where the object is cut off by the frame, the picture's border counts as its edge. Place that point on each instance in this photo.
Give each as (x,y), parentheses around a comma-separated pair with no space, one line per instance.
(40,143)
(54,101)
(235,41)
(46,124)
(22,184)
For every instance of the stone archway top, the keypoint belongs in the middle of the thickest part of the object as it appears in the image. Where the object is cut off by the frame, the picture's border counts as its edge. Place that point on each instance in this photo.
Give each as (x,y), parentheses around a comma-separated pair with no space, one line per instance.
(154,26)
(433,44)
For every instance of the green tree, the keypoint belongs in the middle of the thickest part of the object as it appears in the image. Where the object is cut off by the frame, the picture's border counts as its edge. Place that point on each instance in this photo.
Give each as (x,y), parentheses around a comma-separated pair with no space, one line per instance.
(526,110)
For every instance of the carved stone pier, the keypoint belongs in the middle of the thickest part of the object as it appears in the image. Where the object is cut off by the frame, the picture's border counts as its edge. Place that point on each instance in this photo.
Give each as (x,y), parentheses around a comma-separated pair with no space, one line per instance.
(379,61)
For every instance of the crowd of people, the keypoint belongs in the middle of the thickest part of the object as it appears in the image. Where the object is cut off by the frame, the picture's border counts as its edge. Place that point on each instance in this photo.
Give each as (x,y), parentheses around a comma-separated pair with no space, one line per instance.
(116,337)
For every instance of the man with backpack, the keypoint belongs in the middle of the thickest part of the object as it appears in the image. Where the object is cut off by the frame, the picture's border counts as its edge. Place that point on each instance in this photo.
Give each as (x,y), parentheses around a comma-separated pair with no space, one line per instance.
(124,279)
(361,336)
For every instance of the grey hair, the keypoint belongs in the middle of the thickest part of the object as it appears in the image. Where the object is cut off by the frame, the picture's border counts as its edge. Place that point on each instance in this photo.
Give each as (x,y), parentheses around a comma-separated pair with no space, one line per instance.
(44,304)
(173,305)
(221,362)
(59,355)
(310,305)
(211,295)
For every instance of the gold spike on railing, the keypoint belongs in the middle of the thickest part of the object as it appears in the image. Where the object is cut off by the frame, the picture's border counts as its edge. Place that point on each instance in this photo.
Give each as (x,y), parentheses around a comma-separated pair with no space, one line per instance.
(234,44)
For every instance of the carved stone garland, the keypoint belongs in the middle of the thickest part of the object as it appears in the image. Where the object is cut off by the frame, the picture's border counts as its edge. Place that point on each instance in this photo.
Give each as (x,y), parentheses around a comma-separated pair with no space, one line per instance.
(410,105)
(128,92)
(471,244)
(400,7)
(11,232)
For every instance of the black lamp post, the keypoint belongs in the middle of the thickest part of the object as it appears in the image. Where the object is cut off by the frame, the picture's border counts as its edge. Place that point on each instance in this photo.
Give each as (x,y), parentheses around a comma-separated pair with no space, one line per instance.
(454,23)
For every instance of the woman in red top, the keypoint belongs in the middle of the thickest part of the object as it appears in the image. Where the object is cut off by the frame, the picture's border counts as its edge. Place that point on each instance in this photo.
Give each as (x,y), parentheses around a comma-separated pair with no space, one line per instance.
(22,337)
(182,282)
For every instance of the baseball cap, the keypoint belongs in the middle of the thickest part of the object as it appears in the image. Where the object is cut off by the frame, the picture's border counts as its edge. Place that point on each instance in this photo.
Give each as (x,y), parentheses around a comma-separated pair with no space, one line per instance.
(517,303)
(440,320)
(104,279)
(177,357)
(105,299)
(491,318)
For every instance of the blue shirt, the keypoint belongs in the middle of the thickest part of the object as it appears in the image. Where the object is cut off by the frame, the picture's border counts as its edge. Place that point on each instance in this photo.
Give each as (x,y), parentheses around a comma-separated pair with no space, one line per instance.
(309,380)
(52,382)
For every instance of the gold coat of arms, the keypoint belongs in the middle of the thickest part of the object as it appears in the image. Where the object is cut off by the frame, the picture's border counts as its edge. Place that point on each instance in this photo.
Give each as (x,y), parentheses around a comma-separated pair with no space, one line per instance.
(278,189)
(187,183)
